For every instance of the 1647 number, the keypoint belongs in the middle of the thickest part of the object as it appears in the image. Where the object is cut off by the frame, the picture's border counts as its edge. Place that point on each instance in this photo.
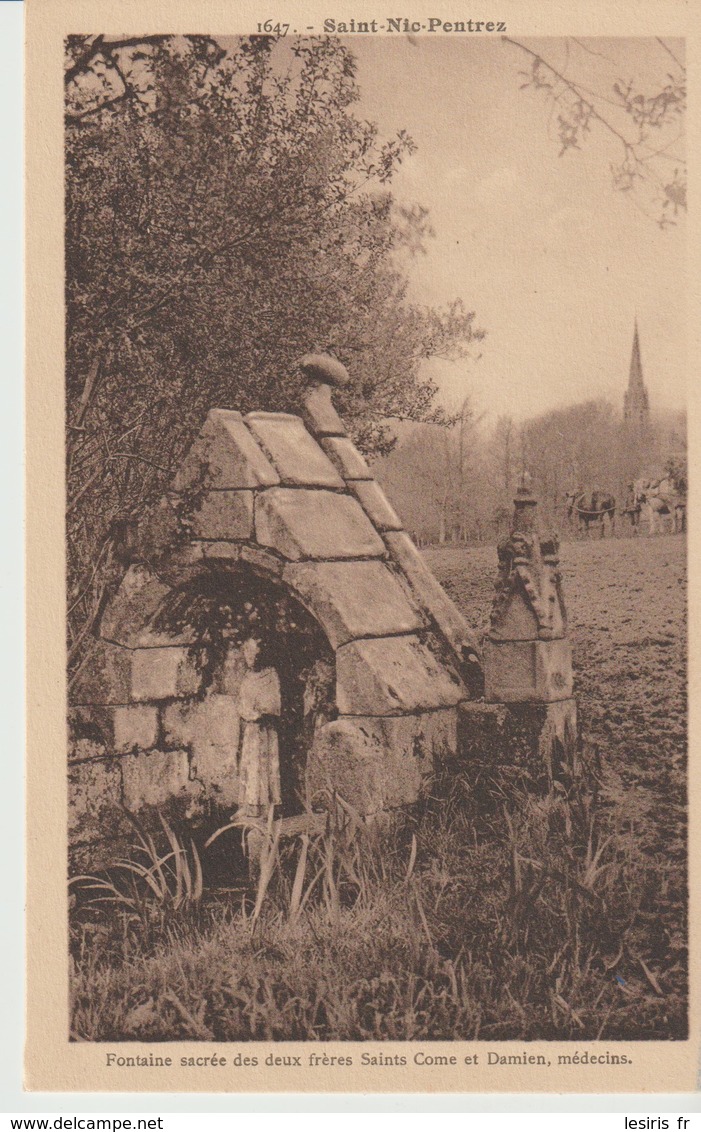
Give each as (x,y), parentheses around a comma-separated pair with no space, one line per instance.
(269,28)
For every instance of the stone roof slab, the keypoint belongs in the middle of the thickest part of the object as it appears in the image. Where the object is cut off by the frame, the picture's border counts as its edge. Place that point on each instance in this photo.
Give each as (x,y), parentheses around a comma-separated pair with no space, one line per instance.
(392,676)
(225,456)
(319,524)
(295,454)
(353,599)
(376,506)
(350,462)
(431,595)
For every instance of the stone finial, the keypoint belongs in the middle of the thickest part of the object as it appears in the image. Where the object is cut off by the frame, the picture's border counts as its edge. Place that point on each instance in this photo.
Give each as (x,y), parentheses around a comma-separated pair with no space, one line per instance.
(525,505)
(528,603)
(323,374)
(527,654)
(322,369)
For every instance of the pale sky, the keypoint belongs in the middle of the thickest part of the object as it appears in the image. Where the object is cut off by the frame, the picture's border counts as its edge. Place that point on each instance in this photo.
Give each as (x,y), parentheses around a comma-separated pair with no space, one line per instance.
(555,262)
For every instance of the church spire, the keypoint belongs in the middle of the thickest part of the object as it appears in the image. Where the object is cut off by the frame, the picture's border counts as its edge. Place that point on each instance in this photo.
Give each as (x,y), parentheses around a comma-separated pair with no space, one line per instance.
(636,407)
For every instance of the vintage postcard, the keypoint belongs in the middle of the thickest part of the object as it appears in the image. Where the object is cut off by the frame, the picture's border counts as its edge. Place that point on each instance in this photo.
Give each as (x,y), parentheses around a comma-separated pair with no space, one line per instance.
(359,430)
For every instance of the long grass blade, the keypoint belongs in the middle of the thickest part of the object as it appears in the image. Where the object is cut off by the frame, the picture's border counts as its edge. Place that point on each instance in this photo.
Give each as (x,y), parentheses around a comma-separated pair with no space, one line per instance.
(269,858)
(198,883)
(412,860)
(298,885)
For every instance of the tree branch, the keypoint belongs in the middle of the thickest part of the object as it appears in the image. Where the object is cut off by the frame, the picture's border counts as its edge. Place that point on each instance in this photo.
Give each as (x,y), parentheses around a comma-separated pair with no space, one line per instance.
(574,88)
(100,46)
(670,52)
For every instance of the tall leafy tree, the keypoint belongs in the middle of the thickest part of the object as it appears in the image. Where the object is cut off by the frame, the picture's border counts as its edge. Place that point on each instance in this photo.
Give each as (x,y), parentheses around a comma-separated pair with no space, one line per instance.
(226,212)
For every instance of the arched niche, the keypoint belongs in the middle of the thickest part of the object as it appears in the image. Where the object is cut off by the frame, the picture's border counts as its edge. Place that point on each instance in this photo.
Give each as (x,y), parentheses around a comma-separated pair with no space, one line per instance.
(216,609)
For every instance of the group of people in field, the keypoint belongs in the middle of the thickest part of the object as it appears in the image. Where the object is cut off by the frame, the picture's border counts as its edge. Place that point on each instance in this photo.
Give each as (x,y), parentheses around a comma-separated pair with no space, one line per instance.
(654,505)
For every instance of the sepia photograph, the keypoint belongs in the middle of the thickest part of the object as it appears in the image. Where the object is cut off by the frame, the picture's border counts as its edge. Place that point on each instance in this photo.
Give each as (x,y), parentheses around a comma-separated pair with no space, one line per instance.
(358,521)
(376,489)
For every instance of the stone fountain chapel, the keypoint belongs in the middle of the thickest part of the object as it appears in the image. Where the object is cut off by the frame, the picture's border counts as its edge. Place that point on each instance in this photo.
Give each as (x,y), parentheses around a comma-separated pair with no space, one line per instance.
(275,530)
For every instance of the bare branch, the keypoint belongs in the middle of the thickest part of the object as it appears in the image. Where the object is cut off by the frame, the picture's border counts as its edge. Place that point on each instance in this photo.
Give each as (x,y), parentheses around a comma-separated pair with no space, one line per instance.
(579,106)
(670,52)
(573,87)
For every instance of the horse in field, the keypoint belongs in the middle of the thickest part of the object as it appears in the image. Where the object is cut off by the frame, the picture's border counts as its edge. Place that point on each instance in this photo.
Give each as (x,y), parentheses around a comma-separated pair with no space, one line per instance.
(660,500)
(591,507)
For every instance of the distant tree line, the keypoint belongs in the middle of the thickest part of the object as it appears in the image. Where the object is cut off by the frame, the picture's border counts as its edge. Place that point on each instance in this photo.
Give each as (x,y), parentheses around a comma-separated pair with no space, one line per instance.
(456,483)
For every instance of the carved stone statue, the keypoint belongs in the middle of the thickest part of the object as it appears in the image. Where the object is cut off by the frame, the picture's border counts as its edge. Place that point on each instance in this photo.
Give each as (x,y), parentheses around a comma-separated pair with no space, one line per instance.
(259,706)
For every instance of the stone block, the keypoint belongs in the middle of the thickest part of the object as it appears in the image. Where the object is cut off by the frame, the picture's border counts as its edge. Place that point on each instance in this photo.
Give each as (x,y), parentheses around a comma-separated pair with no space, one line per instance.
(210,728)
(214,719)
(538,739)
(135,727)
(181,565)
(314,524)
(88,737)
(353,599)
(183,557)
(376,506)
(117,729)
(381,763)
(163,674)
(347,759)
(81,748)
(129,617)
(156,779)
(431,596)
(115,675)
(296,456)
(262,560)
(223,515)
(319,414)
(228,551)
(105,677)
(217,769)
(346,457)
(393,676)
(558,741)
(414,747)
(94,798)
(518,671)
(225,456)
